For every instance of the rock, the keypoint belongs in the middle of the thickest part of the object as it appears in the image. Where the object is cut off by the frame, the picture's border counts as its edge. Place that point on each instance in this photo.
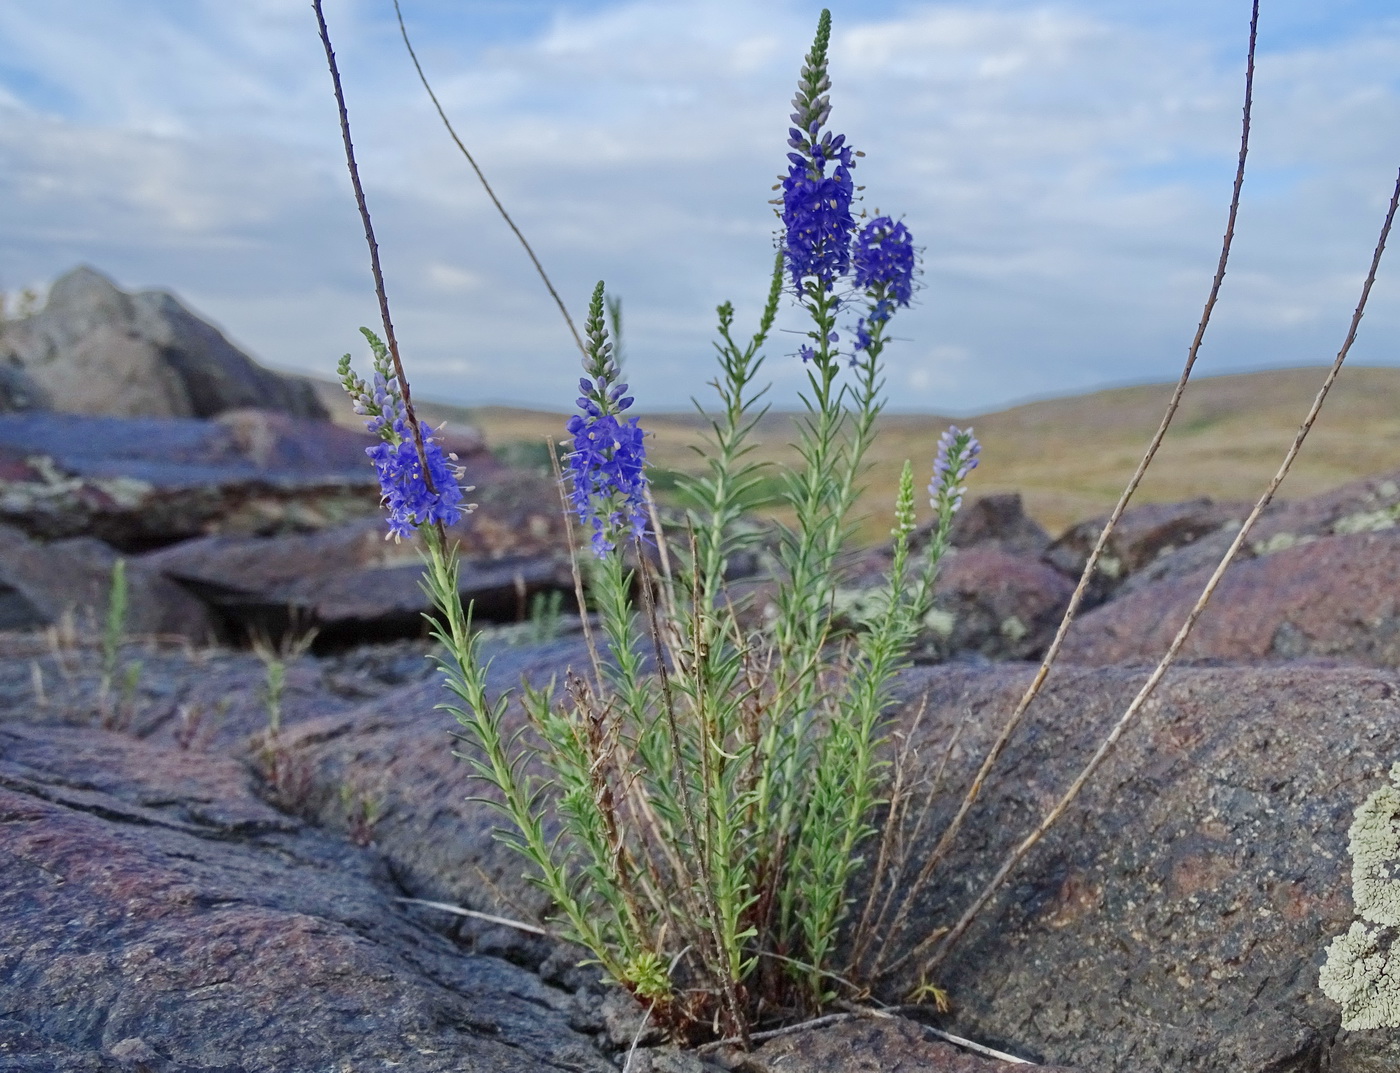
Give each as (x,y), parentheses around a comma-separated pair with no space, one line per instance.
(93,349)
(1182,905)
(435,831)
(994,604)
(1141,536)
(352,584)
(42,585)
(989,603)
(1174,920)
(998,521)
(1330,597)
(156,911)
(143,482)
(869,1045)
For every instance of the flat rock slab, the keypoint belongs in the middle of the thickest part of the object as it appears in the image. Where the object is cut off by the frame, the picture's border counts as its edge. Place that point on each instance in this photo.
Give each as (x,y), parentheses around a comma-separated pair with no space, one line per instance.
(41,585)
(157,915)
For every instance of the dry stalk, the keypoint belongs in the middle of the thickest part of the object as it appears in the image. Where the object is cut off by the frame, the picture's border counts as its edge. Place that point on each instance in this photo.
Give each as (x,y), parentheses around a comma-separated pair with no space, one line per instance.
(575,571)
(563,309)
(389,338)
(1179,640)
(706,878)
(1052,653)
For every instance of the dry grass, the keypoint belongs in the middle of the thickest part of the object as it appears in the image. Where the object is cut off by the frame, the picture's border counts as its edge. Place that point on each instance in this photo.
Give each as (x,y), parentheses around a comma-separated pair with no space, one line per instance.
(1069,458)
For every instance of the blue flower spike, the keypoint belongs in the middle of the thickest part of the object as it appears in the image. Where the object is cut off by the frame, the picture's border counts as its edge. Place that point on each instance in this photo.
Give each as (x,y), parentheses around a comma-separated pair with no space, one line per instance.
(410,500)
(607,467)
(957,457)
(816,205)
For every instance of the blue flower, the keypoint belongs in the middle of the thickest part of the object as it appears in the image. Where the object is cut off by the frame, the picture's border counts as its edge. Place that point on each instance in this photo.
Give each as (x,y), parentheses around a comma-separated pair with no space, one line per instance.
(883,258)
(817,213)
(403,486)
(607,477)
(607,467)
(405,493)
(958,452)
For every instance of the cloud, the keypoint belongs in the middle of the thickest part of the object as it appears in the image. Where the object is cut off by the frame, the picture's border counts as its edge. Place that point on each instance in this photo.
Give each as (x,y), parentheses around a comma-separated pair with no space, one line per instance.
(1065,168)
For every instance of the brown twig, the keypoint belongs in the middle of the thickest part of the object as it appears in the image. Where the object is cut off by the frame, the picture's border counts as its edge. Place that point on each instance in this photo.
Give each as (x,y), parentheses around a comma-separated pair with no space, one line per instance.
(1052,653)
(1180,639)
(563,309)
(389,339)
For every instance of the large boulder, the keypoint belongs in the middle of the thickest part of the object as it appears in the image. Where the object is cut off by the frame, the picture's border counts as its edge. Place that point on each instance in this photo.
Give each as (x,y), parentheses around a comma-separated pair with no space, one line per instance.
(94,349)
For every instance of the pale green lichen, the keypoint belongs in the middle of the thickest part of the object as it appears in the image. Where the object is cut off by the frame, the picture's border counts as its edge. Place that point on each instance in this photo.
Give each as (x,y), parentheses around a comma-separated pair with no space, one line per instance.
(941,622)
(1013,629)
(1375,853)
(1358,974)
(1368,521)
(1279,542)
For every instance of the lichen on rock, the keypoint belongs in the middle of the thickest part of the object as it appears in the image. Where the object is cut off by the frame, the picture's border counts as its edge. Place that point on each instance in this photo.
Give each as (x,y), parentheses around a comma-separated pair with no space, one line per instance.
(1360,974)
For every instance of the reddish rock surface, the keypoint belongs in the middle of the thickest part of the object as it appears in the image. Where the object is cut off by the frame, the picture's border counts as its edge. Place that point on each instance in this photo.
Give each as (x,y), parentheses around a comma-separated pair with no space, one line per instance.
(1331,597)
(1181,908)
(156,915)
(998,521)
(990,602)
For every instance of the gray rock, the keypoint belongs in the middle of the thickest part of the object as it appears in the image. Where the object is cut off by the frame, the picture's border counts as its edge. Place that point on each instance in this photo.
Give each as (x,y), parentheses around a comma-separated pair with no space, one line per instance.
(875,1046)
(1174,920)
(352,584)
(42,585)
(156,914)
(999,521)
(143,482)
(96,350)
(1141,536)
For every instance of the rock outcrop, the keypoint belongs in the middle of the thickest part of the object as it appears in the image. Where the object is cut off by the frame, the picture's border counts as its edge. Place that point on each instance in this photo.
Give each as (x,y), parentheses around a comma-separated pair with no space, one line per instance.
(1175,919)
(94,349)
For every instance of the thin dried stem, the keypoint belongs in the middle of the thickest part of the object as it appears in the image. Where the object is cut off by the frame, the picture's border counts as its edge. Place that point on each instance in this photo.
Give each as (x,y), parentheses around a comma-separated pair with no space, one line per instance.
(574,570)
(897,884)
(389,338)
(544,276)
(490,918)
(890,834)
(1180,639)
(702,864)
(1052,653)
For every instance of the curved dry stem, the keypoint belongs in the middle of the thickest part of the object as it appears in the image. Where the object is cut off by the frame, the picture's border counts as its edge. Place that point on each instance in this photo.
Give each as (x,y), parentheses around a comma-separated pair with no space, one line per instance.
(1179,640)
(563,309)
(1053,652)
(389,338)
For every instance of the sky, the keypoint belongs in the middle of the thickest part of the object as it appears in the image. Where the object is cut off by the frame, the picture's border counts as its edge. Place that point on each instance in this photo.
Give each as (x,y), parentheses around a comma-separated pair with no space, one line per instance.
(1065,168)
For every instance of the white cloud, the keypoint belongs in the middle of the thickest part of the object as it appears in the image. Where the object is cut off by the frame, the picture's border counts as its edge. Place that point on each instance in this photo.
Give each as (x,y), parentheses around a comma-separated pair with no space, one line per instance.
(1066,169)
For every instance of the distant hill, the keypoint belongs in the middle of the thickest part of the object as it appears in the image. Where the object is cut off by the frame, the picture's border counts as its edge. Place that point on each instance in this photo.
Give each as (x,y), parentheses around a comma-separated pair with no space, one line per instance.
(1070,457)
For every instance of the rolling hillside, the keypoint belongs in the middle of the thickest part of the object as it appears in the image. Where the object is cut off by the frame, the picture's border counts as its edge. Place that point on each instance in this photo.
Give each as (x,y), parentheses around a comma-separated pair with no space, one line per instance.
(1070,457)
